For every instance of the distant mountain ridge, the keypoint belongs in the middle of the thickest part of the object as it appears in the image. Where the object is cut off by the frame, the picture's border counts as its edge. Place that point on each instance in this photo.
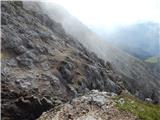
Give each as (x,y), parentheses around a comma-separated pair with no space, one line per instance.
(140,40)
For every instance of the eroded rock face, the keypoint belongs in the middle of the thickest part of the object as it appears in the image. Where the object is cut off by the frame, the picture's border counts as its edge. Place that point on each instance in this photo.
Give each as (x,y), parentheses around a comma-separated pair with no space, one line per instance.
(42,66)
(94,105)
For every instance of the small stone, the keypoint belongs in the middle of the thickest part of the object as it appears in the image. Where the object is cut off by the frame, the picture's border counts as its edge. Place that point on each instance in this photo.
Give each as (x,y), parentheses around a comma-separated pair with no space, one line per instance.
(12,62)
(17,81)
(148,100)
(26,62)
(121,101)
(45,66)
(21,49)
(46,103)
(70,117)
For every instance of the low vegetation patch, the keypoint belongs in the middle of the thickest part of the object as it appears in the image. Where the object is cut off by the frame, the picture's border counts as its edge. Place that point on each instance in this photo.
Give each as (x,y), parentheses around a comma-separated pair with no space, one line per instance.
(143,110)
(152,59)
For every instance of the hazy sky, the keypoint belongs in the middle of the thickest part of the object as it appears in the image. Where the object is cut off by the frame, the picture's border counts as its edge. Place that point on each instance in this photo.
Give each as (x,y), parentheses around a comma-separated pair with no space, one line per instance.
(112,12)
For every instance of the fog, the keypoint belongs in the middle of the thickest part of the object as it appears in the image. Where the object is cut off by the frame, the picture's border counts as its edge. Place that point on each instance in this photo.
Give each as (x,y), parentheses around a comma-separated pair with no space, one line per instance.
(84,35)
(122,62)
(118,23)
(112,13)
(140,40)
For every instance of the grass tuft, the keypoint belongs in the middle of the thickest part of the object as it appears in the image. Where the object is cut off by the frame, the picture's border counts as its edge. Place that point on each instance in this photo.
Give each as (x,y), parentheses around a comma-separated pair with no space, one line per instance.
(145,111)
(152,60)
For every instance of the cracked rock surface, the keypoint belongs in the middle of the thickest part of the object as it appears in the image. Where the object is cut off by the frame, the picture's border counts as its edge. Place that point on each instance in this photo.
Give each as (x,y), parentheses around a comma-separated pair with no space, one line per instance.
(94,105)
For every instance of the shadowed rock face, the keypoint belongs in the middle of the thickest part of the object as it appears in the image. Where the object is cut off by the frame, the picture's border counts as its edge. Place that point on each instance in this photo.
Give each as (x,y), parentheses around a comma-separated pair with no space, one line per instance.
(42,66)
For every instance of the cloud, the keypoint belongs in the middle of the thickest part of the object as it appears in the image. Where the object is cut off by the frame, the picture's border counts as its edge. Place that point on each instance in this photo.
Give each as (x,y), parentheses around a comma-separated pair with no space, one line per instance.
(110,13)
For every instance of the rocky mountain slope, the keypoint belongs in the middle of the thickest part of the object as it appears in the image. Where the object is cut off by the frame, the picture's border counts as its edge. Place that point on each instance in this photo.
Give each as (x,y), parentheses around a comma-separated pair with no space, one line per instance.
(137,76)
(42,66)
(94,105)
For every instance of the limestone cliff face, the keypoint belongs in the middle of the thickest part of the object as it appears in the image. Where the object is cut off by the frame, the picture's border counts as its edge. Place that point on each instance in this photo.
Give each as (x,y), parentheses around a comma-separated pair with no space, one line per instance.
(42,66)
